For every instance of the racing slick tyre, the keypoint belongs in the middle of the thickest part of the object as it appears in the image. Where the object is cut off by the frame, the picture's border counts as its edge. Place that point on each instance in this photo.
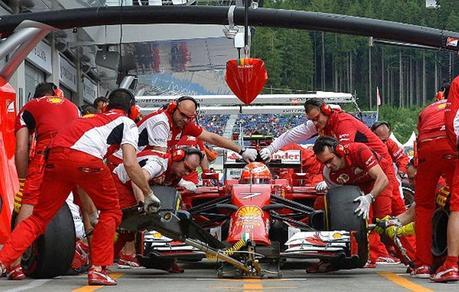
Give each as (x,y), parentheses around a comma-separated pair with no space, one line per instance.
(439,227)
(340,215)
(52,253)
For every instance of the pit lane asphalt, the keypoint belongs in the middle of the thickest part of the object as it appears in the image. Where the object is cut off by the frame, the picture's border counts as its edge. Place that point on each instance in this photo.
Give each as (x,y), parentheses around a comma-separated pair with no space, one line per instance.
(202,277)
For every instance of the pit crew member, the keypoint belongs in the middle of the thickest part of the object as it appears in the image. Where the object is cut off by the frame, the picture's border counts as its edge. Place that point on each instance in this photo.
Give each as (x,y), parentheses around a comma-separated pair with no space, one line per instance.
(383,130)
(183,162)
(449,270)
(435,158)
(324,120)
(356,164)
(78,151)
(43,117)
(190,180)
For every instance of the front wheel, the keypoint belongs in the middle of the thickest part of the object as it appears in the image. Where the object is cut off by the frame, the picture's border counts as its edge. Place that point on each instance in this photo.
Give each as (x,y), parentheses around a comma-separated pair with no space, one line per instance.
(340,215)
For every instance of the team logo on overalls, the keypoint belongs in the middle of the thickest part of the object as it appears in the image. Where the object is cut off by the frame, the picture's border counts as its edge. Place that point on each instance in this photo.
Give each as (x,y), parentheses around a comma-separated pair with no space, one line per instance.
(55,100)
(342,178)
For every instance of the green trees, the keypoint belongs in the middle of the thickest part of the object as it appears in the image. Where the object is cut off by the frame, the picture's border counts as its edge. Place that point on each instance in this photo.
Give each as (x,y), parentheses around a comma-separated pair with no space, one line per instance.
(407,77)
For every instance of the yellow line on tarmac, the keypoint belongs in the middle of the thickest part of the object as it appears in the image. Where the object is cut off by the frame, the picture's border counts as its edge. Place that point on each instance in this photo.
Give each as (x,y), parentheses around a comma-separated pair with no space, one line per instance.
(252,285)
(404,282)
(94,288)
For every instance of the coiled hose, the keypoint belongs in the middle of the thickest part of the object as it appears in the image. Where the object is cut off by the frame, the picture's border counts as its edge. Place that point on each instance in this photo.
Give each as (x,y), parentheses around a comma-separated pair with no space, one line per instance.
(229,251)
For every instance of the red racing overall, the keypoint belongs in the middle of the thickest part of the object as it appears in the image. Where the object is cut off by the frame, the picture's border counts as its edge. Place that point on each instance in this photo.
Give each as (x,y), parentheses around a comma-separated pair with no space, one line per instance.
(435,156)
(359,160)
(452,128)
(76,158)
(44,116)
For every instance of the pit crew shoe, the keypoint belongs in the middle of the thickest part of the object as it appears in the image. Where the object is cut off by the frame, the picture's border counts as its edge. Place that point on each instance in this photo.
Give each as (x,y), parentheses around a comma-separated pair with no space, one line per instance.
(422,272)
(445,274)
(128,262)
(15,273)
(175,269)
(100,276)
(388,260)
(2,270)
(320,267)
(370,265)
(81,257)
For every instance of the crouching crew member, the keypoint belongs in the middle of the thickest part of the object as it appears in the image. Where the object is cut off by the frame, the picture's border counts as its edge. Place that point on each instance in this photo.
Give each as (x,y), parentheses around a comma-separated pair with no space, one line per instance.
(182,162)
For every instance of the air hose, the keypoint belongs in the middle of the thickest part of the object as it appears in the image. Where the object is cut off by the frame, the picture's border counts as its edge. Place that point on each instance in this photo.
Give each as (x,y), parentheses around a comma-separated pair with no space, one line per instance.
(229,251)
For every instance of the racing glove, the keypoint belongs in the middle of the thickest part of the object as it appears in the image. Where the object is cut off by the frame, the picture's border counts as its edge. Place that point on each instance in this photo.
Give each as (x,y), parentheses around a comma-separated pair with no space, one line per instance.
(265,154)
(248,154)
(322,186)
(151,203)
(386,222)
(93,218)
(405,230)
(18,196)
(364,205)
(188,185)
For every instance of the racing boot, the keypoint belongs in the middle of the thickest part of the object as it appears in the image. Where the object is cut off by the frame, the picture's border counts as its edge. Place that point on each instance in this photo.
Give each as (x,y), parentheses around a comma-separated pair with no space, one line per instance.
(446,273)
(2,270)
(422,272)
(15,273)
(128,261)
(174,268)
(387,260)
(98,275)
(320,267)
(81,257)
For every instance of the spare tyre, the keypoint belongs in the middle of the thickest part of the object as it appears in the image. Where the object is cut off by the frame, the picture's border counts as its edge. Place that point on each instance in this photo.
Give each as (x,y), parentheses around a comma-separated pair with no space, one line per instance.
(52,253)
(340,215)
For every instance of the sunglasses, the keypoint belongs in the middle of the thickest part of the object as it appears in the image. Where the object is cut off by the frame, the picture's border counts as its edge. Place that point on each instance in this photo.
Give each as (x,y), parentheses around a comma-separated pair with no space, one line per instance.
(185,116)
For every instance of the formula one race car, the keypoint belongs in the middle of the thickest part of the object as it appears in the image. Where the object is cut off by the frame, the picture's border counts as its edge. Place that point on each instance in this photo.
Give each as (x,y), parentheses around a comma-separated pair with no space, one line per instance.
(253,224)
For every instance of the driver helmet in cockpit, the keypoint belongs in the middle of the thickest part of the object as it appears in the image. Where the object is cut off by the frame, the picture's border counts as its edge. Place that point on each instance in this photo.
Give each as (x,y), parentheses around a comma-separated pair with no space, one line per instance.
(255,173)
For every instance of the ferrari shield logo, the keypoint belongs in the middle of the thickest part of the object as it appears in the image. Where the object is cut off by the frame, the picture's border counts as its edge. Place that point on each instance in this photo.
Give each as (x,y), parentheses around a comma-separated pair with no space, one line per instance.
(55,100)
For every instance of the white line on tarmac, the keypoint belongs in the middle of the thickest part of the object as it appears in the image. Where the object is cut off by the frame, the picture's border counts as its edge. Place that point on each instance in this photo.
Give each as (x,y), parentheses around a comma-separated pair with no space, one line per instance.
(31,285)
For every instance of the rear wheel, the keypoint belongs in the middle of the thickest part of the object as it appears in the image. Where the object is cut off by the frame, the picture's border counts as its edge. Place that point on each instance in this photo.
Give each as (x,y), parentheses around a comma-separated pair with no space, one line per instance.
(52,253)
(340,215)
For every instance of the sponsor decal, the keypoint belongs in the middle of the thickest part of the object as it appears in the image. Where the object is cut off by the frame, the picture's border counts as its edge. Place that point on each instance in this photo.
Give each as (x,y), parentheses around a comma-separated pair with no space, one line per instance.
(452,42)
(249,195)
(342,178)
(337,235)
(249,217)
(54,100)
(289,156)
(10,107)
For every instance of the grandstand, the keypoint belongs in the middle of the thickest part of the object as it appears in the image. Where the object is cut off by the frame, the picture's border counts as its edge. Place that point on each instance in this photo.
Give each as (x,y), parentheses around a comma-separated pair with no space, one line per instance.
(214,123)
(267,124)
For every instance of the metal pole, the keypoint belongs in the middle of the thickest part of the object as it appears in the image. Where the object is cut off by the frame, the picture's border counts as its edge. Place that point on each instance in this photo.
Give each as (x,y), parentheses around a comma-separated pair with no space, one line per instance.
(370,87)
(323,62)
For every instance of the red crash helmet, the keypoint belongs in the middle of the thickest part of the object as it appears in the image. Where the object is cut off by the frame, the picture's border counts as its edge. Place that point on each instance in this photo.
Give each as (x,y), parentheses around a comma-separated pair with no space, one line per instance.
(439,96)
(255,173)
